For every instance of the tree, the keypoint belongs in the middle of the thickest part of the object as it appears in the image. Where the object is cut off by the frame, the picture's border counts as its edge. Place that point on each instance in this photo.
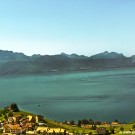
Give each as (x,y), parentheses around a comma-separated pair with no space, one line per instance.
(98,122)
(133,127)
(1,131)
(72,122)
(5,116)
(65,132)
(10,114)
(54,132)
(5,111)
(85,121)
(14,107)
(94,127)
(40,118)
(90,133)
(112,129)
(91,122)
(121,129)
(38,132)
(116,120)
(65,122)
(79,123)
(33,120)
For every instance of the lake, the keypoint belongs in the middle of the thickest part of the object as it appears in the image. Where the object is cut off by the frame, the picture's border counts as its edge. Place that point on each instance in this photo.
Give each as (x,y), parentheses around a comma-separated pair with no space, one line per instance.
(100,95)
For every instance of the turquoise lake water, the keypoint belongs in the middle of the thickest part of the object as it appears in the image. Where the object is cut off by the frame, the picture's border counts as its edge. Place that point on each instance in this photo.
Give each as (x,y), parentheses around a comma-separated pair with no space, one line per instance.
(101,95)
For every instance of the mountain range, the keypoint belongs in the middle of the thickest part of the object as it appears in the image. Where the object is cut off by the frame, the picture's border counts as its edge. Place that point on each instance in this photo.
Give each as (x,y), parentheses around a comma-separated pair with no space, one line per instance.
(18,63)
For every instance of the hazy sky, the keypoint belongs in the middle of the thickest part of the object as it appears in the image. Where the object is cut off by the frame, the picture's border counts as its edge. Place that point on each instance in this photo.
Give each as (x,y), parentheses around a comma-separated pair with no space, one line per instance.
(71,26)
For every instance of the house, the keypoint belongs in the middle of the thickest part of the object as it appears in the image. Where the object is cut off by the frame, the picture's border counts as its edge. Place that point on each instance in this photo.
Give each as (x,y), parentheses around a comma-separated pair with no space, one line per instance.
(50,131)
(37,119)
(87,126)
(17,118)
(10,120)
(30,126)
(42,129)
(24,121)
(115,123)
(14,119)
(31,118)
(105,123)
(30,133)
(57,131)
(41,124)
(13,129)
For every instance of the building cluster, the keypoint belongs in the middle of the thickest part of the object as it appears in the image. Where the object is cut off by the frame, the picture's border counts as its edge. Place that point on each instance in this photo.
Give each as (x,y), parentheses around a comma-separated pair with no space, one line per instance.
(28,125)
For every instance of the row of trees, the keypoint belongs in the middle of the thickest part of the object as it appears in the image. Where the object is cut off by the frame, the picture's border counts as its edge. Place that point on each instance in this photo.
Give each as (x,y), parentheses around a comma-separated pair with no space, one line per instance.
(86,122)
(83,121)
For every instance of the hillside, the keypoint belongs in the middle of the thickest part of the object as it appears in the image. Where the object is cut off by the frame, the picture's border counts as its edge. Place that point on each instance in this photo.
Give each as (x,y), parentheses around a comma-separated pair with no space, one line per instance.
(19,63)
(9,116)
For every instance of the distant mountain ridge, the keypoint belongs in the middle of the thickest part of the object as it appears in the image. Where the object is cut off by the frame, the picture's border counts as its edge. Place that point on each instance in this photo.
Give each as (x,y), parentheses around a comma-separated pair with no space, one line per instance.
(12,56)
(19,63)
(107,55)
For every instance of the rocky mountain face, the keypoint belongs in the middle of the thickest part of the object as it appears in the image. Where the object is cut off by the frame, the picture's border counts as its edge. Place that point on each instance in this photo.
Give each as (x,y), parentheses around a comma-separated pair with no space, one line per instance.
(17,63)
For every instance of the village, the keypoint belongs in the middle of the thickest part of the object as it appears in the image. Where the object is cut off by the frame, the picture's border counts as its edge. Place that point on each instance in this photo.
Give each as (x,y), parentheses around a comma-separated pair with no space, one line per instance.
(14,121)
(28,125)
